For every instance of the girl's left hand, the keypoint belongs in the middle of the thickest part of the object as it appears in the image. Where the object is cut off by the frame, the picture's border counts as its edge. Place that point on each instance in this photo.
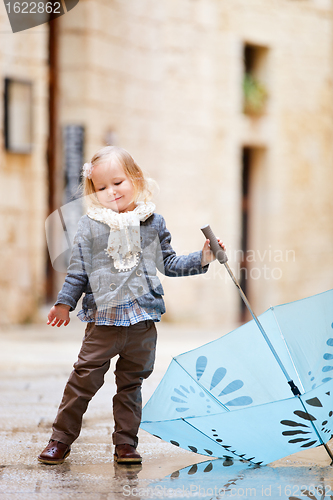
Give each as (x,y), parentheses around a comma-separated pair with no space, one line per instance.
(207,254)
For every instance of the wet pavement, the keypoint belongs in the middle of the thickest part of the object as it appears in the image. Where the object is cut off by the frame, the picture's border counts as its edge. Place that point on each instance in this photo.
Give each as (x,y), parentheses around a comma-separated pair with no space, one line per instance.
(35,361)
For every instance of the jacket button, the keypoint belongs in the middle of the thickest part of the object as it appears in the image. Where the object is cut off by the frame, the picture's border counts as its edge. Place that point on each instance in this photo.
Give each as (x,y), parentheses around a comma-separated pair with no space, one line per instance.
(140,289)
(113,286)
(138,272)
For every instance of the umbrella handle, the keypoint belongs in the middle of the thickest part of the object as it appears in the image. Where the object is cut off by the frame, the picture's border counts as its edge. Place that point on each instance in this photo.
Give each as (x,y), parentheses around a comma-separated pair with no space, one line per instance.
(214,244)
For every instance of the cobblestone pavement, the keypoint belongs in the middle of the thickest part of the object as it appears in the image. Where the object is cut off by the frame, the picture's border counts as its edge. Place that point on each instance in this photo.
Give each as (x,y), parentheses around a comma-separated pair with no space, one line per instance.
(35,361)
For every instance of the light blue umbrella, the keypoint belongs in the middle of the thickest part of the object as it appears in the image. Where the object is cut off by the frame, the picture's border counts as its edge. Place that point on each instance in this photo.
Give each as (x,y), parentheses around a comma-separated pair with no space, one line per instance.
(250,396)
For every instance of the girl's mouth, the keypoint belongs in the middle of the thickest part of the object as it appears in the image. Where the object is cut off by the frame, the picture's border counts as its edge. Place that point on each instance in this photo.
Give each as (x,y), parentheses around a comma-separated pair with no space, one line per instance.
(115,199)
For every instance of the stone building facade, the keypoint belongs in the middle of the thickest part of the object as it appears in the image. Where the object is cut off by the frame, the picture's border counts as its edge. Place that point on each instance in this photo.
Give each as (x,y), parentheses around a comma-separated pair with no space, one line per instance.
(23,178)
(165,80)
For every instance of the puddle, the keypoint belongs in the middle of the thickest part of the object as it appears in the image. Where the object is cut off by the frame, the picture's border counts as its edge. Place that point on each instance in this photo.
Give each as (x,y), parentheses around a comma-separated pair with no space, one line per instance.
(211,480)
(218,479)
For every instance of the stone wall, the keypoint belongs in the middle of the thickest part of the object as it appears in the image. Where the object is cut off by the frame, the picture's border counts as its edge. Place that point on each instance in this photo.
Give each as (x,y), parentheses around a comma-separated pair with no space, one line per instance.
(166,78)
(292,205)
(23,187)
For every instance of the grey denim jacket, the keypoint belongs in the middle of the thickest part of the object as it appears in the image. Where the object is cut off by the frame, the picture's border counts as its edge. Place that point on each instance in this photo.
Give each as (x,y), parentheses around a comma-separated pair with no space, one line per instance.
(91,270)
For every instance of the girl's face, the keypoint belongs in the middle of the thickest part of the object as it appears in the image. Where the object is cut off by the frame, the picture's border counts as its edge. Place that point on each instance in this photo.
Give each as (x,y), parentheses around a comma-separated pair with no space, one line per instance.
(114,189)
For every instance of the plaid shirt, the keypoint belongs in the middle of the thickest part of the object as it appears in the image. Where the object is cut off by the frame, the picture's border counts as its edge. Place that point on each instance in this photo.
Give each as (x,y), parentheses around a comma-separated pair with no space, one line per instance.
(90,272)
(125,314)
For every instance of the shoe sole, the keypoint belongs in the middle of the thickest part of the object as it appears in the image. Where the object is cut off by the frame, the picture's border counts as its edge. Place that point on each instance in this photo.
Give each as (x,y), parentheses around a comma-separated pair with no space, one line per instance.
(53,462)
(127,460)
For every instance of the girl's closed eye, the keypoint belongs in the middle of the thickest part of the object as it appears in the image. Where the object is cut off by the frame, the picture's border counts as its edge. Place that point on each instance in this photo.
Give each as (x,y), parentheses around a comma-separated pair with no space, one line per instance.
(118,183)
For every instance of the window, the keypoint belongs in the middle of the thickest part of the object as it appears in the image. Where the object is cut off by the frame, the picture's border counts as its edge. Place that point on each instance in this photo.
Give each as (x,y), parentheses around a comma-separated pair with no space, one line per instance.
(255,93)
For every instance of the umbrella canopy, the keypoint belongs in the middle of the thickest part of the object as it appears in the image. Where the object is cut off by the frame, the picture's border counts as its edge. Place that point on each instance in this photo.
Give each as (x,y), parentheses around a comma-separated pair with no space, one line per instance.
(230,397)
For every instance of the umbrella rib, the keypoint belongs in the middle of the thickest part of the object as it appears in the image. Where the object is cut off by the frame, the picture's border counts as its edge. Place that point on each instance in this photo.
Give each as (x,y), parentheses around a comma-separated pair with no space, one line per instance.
(200,432)
(69,243)
(287,348)
(203,388)
(316,431)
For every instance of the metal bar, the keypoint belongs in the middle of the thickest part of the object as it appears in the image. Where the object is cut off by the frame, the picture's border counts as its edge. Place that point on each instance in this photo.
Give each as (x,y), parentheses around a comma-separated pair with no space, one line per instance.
(53,48)
(69,243)
(288,350)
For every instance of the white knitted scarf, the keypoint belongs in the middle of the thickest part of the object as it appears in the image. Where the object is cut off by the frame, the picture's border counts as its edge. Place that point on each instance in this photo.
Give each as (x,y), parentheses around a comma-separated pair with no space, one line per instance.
(124,239)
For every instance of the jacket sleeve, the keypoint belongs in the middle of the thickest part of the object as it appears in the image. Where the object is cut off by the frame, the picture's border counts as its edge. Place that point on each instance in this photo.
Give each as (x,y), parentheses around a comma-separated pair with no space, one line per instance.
(79,268)
(170,264)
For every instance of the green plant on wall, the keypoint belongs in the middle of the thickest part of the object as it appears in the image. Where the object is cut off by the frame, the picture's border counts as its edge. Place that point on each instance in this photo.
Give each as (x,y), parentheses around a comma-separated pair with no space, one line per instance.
(255,95)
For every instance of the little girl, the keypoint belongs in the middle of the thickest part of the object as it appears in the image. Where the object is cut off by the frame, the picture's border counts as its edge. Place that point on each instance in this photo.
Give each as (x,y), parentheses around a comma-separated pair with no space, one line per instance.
(118,246)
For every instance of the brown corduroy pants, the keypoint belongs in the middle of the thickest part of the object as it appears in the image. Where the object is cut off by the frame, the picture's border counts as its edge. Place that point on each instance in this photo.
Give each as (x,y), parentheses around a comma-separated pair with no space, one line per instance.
(135,346)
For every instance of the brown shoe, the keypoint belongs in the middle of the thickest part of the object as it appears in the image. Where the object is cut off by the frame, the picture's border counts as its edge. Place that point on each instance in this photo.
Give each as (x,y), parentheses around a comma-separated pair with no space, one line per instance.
(54,453)
(126,454)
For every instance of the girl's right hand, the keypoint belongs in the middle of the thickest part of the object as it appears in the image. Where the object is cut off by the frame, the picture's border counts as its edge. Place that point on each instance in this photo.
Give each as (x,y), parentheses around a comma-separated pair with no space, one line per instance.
(58,315)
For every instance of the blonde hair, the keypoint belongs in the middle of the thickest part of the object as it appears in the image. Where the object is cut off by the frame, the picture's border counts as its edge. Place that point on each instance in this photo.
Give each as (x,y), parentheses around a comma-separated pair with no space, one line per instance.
(143,187)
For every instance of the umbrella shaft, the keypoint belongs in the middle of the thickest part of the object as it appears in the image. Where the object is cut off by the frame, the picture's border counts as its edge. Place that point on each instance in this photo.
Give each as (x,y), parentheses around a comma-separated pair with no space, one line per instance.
(294,388)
